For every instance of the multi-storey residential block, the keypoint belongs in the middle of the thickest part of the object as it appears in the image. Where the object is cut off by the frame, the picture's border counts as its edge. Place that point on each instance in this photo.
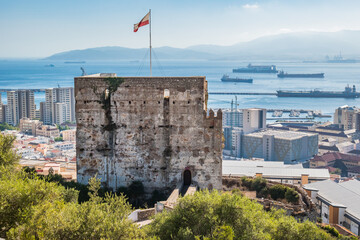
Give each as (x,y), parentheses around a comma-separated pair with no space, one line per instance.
(254,119)
(59,105)
(347,117)
(20,104)
(48,131)
(29,126)
(69,135)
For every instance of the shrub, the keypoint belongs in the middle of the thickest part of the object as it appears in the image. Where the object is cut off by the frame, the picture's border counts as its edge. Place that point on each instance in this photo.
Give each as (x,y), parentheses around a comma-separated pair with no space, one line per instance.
(332,231)
(246,182)
(263,193)
(277,191)
(258,184)
(291,195)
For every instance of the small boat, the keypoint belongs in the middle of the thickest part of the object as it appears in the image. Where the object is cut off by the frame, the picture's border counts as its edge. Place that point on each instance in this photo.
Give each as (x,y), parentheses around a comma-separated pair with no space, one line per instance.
(294,113)
(49,65)
(226,78)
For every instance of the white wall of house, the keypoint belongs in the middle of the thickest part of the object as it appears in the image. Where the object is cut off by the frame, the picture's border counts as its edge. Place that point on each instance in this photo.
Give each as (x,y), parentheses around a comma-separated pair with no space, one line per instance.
(325,213)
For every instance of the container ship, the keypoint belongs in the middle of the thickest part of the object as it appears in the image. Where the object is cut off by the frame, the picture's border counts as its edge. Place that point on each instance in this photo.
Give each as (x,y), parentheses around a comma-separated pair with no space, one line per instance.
(256,69)
(282,74)
(226,78)
(348,93)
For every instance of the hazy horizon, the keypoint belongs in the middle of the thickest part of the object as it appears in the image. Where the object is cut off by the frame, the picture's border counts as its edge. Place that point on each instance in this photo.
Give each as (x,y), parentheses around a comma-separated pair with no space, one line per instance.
(36,29)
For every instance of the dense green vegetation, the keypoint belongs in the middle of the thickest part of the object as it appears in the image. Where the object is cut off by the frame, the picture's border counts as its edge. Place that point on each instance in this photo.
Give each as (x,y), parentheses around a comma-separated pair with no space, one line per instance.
(276,192)
(6,126)
(206,214)
(58,139)
(64,126)
(34,207)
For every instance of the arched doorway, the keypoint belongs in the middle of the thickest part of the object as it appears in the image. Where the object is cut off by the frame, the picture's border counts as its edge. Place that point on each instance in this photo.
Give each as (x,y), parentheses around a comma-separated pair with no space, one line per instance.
(187,177)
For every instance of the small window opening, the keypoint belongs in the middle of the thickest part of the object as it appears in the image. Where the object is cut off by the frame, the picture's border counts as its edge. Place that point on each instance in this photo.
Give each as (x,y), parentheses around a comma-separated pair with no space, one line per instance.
(166,93)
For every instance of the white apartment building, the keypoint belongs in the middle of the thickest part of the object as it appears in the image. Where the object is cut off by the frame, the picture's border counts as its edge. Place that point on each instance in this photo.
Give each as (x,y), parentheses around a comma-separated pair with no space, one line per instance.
(59,105)
(69,135)
(254,119)
(20,104)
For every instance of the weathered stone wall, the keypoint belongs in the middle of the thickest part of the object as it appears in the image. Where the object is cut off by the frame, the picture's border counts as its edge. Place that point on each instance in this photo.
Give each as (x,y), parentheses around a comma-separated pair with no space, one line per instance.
(127,130)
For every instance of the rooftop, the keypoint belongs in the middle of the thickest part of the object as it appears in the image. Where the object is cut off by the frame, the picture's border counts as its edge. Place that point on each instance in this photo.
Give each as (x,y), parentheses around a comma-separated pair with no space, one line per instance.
(271,169)
(332,156)
(345,194)
(280,134)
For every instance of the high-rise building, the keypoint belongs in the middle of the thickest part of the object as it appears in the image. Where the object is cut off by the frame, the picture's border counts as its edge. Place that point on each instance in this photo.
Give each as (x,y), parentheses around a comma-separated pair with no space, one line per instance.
(3,113)
(237,134)
(239,122)
(42,111)
(20,104)
(234,118)
(59,105)
(61,111)
(254,119)
(347,117)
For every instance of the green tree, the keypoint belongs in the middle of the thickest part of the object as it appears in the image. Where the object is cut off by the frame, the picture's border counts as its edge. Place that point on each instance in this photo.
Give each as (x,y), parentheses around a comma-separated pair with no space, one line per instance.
(6,126)
(98,218)
(58,139)
(8,157)
(19,195)
(204,215)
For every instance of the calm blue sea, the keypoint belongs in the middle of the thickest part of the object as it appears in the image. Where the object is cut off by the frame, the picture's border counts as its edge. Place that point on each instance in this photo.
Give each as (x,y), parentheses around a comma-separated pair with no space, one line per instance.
(35,74)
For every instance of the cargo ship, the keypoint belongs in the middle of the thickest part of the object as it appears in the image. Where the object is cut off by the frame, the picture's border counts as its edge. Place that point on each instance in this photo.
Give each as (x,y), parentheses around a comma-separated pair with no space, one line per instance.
(74,62)
(348,93)
(256,69)
(283,74)
(226,78)
(339,59)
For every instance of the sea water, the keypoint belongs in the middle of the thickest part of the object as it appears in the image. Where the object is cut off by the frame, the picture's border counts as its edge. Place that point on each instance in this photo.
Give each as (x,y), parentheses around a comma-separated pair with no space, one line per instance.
(37,74)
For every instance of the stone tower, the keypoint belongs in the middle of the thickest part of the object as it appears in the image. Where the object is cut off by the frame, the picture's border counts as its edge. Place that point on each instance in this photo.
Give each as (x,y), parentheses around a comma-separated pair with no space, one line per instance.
(150,129)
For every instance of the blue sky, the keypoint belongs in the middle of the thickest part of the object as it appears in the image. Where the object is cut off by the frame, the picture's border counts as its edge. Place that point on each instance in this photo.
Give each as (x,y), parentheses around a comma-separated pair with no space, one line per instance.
(38,28)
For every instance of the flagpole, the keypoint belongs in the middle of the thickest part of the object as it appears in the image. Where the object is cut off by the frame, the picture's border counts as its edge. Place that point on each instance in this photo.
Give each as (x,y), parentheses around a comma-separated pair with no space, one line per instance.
(150,42)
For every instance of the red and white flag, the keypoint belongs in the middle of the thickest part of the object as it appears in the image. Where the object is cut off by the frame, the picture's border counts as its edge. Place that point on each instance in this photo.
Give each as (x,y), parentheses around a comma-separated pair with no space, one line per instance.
(143,22)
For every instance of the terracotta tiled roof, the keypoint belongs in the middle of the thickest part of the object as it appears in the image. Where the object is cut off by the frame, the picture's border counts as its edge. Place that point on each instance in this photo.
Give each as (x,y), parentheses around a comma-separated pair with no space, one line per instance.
(332,156)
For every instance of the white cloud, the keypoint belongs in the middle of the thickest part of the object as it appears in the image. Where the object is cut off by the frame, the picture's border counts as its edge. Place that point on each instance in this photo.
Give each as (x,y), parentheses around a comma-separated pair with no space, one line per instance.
(250,6)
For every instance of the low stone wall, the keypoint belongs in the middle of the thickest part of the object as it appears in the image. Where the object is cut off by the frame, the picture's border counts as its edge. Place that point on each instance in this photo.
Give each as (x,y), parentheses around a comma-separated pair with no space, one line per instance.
(305,210)
(146,214)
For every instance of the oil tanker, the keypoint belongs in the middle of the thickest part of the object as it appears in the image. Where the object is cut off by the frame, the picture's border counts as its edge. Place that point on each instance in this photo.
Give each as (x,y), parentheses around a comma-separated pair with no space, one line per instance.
(256,69)
(226,78)
(348,93)
(282,74)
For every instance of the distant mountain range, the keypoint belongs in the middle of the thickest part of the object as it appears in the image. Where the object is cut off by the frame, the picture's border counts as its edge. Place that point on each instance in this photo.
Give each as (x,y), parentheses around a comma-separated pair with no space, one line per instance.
(301,46)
